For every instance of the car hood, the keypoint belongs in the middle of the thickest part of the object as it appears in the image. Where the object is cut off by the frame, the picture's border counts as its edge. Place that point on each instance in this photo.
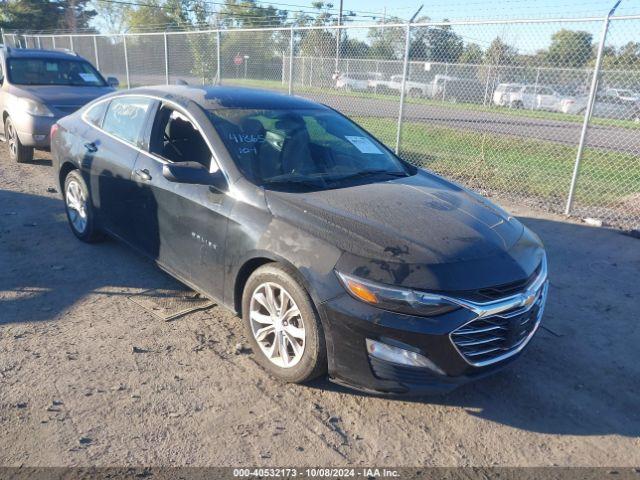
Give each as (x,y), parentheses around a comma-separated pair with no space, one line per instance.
(419,231)
(61,95)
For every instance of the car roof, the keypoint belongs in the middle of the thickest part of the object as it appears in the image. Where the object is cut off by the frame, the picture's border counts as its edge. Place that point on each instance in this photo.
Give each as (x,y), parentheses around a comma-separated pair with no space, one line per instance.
(38,53)
(220,97)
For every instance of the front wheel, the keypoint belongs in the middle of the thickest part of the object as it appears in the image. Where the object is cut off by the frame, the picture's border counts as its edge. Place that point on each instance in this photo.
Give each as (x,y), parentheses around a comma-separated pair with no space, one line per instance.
(79,208)
(283,325)
(18,152)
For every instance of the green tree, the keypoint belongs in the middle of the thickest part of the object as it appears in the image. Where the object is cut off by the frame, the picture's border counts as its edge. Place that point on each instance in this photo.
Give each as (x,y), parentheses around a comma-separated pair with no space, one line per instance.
(317,42)
(151,16)
(436,44)
(387,43)
(264,48)
(499,53)
(472,53)
(570,49)
(354,48)
(38,15)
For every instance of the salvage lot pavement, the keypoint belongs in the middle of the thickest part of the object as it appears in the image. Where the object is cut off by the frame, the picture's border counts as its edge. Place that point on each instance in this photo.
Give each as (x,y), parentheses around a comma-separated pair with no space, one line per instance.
(88,377)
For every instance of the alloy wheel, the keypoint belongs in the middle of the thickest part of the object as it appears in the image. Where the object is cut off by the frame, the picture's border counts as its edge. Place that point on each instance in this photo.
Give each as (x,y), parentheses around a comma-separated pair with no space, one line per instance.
(12,139)
(76,206)
(277,325)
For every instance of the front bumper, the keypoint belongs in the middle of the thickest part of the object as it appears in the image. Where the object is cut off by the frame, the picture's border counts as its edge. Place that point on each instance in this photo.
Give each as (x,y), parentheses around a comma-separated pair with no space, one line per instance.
(352,322)
(33,131)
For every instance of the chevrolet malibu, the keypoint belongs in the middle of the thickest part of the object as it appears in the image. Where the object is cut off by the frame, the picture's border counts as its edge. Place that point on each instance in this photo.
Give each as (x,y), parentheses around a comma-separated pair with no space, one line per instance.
(339,256)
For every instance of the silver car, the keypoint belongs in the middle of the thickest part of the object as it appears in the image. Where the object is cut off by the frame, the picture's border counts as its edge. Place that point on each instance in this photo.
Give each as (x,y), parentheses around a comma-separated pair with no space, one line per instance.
(37,88)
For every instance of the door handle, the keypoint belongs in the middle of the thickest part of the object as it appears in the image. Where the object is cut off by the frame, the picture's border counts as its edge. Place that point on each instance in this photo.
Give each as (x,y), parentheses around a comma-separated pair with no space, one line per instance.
(143,174)
(91,147)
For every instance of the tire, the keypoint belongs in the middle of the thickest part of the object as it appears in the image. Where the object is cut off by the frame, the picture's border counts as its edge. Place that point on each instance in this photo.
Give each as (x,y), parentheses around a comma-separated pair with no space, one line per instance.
(17,152)
(79,208)
(311,362)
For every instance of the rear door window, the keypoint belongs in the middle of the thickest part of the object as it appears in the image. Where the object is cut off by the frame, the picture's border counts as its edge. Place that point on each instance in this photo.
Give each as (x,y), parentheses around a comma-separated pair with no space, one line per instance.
(125,117)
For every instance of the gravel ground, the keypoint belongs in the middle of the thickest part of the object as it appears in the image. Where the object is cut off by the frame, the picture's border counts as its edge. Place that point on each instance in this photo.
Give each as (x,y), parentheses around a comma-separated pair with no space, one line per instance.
(87,377)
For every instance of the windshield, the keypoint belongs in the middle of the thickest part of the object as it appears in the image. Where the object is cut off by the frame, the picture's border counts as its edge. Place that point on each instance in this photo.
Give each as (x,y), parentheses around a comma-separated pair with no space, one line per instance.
(315,148)
(53,71)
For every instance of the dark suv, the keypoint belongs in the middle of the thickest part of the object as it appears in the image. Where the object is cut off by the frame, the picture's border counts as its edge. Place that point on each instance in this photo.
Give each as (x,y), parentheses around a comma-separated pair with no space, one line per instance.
(37,88)
(338,254)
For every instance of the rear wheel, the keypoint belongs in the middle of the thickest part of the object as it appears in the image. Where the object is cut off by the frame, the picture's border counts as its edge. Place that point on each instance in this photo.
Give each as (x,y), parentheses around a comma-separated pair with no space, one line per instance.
(79,208)
(17,151)
(283,325)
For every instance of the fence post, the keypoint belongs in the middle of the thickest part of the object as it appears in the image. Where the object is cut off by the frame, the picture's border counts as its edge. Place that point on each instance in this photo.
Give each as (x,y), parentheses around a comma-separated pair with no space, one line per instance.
(283,74)
(53,40)
(536,86)
(126,61)
(166,60)
(219,69)
(587,111)
(405,68)
(95,51)
(486,87)
(291,62)
(39,43)
(71,42)
(2,33)
(444,87)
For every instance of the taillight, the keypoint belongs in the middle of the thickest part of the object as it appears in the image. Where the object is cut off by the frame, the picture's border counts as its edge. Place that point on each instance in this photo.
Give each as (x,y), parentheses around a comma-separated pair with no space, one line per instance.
(54,130)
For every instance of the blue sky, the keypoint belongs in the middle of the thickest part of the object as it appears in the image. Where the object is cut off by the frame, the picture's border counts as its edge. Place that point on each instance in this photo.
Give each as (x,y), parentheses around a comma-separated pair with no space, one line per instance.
(457,9)
(528,38)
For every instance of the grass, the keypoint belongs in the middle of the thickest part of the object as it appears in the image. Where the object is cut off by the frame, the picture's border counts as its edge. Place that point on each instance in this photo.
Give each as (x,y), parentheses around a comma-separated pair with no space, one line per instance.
(506,164)
(537,114)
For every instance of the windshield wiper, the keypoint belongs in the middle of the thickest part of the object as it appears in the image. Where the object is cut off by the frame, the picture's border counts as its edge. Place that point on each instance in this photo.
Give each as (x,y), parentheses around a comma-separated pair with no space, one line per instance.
(307,182)
(367,173)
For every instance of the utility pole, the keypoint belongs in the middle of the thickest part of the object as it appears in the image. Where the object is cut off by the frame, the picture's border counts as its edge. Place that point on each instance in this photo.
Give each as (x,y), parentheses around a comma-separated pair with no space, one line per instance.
(338,36)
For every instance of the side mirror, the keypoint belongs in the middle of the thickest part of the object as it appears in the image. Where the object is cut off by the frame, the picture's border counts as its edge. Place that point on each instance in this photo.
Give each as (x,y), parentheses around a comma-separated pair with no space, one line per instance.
(194,173)
(113,82)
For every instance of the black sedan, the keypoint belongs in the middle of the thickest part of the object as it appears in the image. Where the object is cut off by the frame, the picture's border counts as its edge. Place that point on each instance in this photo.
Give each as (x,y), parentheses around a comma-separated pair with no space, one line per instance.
(339,256)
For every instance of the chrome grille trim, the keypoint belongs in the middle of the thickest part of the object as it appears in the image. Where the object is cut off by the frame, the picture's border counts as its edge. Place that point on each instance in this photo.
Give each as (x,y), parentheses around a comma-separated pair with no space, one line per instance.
(492,323)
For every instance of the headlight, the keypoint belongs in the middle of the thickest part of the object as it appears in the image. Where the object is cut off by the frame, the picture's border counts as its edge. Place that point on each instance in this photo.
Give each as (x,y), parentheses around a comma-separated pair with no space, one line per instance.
(402,300)
(33,107)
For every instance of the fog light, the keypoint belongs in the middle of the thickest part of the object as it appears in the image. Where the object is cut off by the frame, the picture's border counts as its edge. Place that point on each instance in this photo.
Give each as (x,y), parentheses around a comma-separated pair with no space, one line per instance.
(39,138)
(400,356)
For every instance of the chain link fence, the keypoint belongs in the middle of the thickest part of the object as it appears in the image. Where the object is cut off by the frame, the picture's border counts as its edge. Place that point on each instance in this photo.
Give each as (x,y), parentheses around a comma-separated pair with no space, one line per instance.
(543,112)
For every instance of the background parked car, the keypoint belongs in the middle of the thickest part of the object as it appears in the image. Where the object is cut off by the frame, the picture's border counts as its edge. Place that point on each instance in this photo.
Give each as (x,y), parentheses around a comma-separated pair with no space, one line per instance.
(622,93)
(353,81)
(465,90)
(534,97)
(502,92)
(432,89)
(607,105)
(379,83)
(37,88)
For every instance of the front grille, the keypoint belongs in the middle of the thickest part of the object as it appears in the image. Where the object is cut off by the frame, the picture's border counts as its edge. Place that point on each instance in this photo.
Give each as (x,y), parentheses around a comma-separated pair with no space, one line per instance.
(486,340)
(501,291)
